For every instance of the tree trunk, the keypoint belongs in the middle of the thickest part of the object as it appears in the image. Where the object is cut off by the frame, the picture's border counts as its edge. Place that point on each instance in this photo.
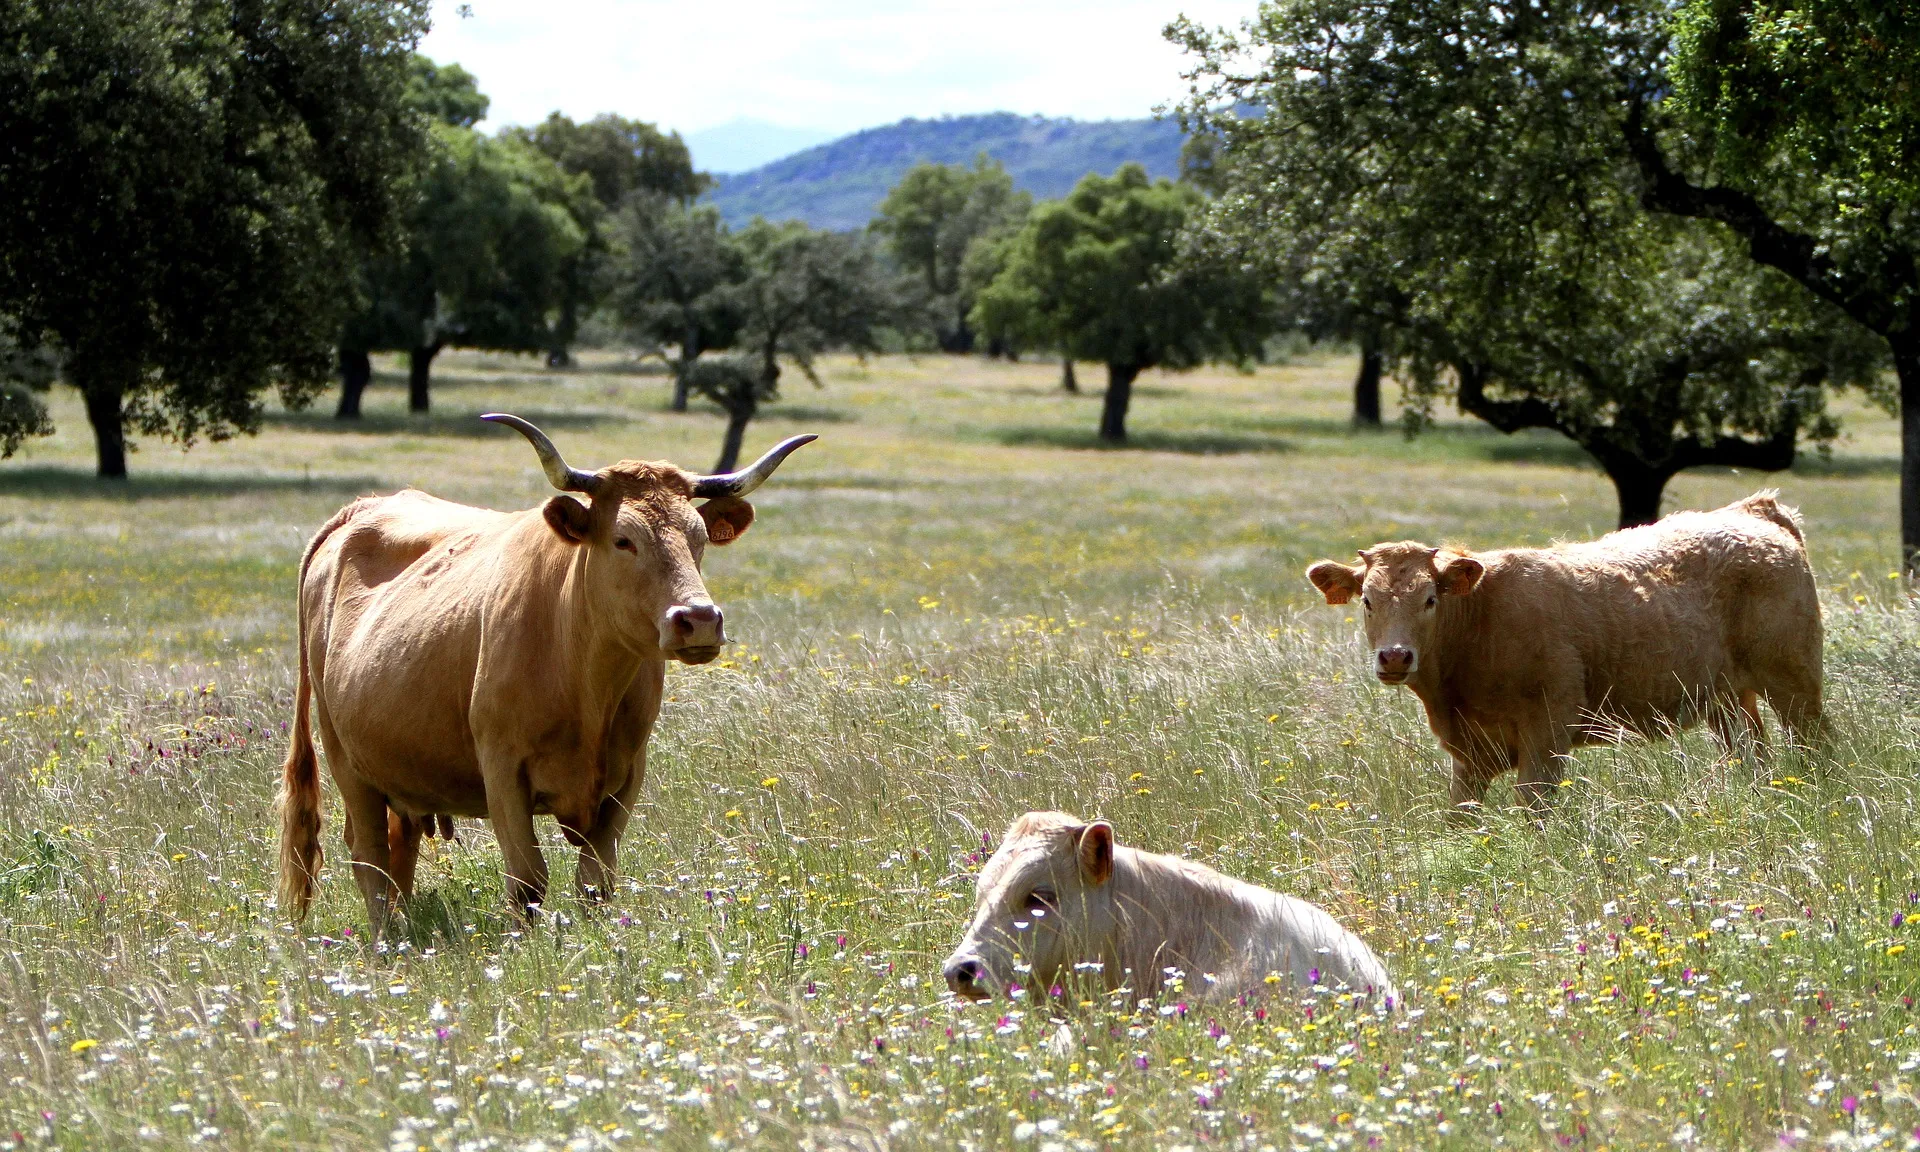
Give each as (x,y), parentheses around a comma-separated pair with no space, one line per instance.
(1067,380)
(962,334)
(683,371)
(1366,389)
(737,419)
(1113,413)
(106,414)
(356,370)
(1906,362)
(1639,490)
(419,363)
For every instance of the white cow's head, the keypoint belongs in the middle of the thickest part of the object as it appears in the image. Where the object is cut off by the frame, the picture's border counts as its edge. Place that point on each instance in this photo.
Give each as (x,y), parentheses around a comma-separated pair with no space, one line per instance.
(1043,904)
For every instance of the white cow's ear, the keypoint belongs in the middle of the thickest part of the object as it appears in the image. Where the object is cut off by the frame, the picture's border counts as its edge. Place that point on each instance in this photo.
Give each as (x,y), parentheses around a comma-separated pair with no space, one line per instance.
(1458,575)
(1337,582)
(571,520)
(1095,851)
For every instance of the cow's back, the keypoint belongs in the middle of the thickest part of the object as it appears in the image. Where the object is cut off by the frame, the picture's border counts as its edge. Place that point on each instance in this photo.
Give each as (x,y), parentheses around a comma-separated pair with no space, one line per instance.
(394,598)
(1653,621)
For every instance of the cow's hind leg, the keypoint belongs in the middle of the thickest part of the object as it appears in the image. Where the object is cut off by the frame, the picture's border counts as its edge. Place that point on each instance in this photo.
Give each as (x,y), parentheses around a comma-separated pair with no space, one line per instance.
(1736,722)
(1796,700)
(367,844)
(403,852)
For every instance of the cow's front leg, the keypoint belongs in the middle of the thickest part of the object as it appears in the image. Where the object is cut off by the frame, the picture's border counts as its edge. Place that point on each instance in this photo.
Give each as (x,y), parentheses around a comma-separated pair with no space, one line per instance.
(1468,788)
(1543,757)
(594,878)
(510,807)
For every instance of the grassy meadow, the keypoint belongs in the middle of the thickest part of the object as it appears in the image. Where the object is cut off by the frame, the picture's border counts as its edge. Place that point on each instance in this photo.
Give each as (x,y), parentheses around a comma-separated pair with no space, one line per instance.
(951,609)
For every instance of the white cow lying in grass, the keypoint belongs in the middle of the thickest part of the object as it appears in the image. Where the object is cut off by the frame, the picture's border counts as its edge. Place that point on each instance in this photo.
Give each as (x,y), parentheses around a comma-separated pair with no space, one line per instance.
(1060,895)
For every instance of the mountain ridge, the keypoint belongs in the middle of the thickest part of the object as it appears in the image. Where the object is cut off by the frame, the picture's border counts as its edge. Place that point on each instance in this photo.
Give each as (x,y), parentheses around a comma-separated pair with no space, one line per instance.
(839,184)
(743,144)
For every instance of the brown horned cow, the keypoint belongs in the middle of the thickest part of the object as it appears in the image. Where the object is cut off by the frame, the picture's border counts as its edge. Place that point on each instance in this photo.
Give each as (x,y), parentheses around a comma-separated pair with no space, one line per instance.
(467,662)
(1522,654)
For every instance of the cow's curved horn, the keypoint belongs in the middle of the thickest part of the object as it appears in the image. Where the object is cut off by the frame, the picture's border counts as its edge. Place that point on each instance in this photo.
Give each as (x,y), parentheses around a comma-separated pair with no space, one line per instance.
(753,475)
(564,478)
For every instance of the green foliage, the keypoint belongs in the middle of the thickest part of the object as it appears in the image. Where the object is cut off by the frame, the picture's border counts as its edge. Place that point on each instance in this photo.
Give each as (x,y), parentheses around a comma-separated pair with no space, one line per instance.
(27,367)
(187,185)
(669,278)
(1102,274)
(930,220)
(1453,183)
(769,292)
(1203,161)
(495,223)
(619,156)
(490,239)
(1816,95)
(801,292)
(446,93)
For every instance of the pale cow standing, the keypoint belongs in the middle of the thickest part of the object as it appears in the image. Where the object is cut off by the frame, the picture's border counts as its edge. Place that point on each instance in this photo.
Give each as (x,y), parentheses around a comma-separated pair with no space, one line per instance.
(1059,894)
(1522,654)
(467,662)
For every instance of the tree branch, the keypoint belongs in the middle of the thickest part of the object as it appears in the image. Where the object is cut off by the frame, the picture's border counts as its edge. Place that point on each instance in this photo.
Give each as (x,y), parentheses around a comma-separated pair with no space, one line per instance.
(1774,454)
(1506,415)
(1770,242)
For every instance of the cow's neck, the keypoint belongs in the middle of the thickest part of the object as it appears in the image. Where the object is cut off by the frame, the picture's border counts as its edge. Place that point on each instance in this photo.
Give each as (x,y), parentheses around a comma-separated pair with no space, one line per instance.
(602,661)
(1195,921)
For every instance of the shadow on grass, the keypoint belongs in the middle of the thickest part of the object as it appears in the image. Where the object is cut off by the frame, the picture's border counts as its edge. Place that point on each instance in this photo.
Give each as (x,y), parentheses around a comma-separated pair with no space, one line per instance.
(440,917)
(52,482)
(1188,443)
(863,480)
(808,413)
(1560,453)
(456,424)
(650,370)
(1813,464)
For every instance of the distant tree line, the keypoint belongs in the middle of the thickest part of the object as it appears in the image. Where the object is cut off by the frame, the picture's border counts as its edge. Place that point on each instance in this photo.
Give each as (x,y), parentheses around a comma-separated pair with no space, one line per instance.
(1669,231)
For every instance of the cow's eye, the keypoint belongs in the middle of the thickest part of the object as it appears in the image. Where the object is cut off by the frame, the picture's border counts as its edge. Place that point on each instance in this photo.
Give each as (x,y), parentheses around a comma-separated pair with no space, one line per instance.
(1367,603)
(625,545)
(1432,599)
(1040,901)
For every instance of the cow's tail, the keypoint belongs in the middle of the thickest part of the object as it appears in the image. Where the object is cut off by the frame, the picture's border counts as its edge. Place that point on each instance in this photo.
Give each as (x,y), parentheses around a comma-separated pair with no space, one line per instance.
(300,853)
(1766,505)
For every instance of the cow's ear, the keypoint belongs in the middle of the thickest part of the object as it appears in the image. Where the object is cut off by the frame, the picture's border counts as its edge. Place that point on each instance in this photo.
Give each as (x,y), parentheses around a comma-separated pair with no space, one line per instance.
(1458,575)
(727,517)
(569,519)
(1337,582)
(1095,851)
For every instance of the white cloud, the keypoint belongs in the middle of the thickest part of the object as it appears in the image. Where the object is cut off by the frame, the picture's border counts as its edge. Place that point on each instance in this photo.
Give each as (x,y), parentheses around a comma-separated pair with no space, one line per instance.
(830,64)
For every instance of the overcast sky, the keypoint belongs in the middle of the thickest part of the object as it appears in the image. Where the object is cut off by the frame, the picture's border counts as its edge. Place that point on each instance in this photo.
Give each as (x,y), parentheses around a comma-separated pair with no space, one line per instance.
(835,65)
